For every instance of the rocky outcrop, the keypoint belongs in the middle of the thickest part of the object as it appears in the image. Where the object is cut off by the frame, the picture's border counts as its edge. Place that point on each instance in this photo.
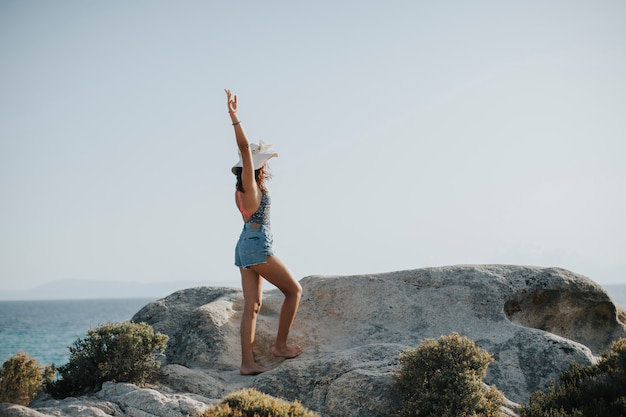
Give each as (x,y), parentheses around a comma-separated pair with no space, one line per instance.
(534,321)
(114,399)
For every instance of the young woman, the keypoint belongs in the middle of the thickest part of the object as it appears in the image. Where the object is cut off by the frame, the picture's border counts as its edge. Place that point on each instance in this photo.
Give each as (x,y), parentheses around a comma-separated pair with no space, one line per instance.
(253,254)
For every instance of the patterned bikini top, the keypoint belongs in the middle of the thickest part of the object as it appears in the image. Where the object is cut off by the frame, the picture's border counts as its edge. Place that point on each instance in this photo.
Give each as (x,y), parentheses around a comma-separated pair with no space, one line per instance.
(261,215)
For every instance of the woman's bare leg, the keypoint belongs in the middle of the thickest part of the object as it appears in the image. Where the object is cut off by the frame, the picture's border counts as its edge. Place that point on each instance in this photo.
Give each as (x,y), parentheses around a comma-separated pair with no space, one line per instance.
(277,273)
(252,293)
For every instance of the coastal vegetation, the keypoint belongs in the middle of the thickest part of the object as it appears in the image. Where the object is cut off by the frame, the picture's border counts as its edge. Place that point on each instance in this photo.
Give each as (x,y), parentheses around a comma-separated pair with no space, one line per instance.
(121,352)
(22,379)
(586,391)
(444,378)
(252,403)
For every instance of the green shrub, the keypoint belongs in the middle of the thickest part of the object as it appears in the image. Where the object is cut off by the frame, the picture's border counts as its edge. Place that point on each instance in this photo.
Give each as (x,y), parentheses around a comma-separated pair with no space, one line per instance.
(443,378)
(123,352)
(586,391)
(251,403)
(22,379)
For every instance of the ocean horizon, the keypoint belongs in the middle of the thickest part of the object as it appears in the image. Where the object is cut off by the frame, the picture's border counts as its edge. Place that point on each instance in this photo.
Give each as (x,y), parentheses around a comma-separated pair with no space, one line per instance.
(46,328)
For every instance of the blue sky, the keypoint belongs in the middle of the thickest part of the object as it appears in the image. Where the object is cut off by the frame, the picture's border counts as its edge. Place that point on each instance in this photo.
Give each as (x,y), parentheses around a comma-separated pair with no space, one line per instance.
(411,134)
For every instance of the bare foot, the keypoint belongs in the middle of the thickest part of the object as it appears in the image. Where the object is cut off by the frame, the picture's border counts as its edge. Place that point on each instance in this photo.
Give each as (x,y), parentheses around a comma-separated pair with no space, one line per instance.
(252,370)
(287,352)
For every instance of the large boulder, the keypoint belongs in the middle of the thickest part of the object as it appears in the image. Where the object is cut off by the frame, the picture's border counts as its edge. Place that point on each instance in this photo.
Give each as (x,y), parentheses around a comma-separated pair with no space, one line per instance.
(535,322)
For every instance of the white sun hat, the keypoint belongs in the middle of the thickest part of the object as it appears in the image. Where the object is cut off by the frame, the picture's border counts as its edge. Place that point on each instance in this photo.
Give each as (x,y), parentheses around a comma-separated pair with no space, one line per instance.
(260,154)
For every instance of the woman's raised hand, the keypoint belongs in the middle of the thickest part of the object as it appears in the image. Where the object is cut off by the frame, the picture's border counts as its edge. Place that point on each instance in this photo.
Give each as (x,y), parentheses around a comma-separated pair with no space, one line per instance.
(232,102)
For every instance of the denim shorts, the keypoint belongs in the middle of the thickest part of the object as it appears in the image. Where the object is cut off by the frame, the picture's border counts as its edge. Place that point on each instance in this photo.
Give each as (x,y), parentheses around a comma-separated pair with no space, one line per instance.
(254,245)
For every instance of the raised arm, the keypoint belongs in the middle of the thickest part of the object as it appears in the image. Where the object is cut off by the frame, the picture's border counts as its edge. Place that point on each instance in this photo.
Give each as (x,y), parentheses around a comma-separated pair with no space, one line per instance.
(247,175)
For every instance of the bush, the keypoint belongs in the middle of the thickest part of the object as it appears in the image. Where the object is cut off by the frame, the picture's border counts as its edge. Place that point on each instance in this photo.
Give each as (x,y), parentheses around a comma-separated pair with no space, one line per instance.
(123,352)
(22,379)
(443,378)
(251,403)
(586,391)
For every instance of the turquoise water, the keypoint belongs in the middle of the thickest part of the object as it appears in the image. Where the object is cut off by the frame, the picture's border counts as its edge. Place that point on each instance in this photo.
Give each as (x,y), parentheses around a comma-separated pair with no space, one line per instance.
(45,329)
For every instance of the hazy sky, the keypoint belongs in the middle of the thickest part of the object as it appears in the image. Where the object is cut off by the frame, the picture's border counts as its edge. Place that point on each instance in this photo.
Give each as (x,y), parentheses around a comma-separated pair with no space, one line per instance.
(411,134)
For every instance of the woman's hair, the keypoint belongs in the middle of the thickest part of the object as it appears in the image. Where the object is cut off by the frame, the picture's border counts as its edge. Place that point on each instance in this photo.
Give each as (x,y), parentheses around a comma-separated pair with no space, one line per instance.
(260,175)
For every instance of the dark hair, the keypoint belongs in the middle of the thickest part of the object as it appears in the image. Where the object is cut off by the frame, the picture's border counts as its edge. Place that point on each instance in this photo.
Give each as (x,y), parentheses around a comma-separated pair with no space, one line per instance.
(260,175)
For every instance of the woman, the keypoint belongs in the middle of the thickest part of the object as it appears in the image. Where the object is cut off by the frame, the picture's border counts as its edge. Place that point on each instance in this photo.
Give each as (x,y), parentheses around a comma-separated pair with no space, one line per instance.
(253,254)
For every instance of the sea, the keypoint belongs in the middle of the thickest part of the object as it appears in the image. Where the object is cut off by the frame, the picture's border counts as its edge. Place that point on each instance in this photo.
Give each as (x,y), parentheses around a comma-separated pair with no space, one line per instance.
(46,329)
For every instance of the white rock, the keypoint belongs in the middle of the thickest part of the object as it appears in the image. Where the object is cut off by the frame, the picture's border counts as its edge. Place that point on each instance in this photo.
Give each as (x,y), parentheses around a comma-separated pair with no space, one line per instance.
(121,399)
(14,410)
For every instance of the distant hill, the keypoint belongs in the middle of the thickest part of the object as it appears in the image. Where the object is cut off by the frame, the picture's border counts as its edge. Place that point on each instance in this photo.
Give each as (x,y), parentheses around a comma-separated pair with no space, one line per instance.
(76,289)
(617,293)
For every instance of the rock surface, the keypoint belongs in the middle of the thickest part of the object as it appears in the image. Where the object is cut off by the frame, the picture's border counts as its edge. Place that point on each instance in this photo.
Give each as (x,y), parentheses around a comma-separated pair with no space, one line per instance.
(534,321)
(121,399)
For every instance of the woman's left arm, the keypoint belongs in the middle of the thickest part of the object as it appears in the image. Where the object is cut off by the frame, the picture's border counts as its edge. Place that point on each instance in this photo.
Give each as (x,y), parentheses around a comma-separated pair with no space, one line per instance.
(247,175)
